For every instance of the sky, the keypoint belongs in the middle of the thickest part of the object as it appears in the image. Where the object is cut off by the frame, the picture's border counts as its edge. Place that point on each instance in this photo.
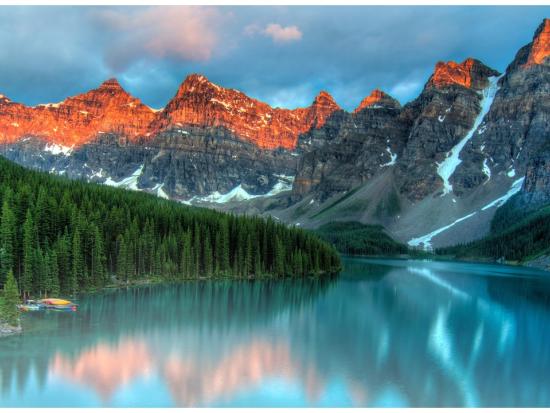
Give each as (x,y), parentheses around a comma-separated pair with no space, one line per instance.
(283,55)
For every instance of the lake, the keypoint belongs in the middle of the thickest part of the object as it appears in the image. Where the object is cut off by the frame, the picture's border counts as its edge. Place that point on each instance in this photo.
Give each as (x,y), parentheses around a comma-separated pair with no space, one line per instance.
(383,333)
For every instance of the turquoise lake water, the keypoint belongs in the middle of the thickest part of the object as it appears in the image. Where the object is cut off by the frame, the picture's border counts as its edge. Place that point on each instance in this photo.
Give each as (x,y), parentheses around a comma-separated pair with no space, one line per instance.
(383,333)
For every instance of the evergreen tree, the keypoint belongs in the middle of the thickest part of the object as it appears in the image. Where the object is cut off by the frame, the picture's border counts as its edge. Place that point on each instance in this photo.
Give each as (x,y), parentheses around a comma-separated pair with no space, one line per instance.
(62,251)
(248,257)
(257,263)
(77,267)
(278,256)
(122,263)
(53,271)
(197,247)
(10,313)
(187,267)
(224,247)
(97,270)
(42,276)
(208,260)
(29,255)
(7,236)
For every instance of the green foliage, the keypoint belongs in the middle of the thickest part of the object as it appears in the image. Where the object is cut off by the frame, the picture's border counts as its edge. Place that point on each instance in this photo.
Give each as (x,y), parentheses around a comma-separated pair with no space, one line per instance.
(515,235)
(7,237)
(10,298)
(62,236)
(359,239)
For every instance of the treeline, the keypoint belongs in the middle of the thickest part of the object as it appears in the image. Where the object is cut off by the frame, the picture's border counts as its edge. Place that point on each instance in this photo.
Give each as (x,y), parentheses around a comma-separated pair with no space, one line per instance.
(61,236)
(355,238)
(515,236)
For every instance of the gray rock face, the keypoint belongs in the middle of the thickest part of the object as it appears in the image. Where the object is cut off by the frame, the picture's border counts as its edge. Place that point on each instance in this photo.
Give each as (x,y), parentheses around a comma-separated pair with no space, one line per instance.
(517,127)
(349,150)
(536,187)
(352,148)
(202,161)
(441,116)
(187,162)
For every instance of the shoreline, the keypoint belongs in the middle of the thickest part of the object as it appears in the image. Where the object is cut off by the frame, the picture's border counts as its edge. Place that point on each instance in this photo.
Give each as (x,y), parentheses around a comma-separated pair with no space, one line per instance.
(7,330)
(539,263)
(158,280)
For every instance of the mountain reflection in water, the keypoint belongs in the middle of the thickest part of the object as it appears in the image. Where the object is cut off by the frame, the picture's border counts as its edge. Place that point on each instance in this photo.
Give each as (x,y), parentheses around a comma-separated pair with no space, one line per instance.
(384,333)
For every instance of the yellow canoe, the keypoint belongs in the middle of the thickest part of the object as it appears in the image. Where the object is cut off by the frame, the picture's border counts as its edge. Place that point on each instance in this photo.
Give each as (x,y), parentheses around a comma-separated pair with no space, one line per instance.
(55,301)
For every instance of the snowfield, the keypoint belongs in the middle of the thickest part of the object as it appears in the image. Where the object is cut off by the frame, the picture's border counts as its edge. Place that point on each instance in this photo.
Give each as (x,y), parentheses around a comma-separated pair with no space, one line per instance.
(448,166)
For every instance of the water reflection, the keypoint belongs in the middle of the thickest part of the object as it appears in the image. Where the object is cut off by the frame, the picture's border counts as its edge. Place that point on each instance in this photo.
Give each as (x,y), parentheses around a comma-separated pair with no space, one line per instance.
(105,368)
(385,333)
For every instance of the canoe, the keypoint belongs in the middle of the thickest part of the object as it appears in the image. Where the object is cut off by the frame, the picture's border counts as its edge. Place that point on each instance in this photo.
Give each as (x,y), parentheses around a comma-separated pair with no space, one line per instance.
(55,301)
(71,307)
(30,307)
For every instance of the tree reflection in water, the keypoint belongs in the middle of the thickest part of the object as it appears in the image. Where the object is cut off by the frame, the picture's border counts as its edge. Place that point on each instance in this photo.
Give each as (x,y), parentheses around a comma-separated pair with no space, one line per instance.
(386,332)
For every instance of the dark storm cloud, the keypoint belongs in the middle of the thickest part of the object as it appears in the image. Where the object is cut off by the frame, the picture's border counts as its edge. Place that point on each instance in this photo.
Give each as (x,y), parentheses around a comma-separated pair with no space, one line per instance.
(283,55)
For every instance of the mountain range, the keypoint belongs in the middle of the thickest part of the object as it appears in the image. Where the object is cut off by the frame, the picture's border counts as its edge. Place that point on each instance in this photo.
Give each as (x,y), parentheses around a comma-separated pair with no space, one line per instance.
(432,172)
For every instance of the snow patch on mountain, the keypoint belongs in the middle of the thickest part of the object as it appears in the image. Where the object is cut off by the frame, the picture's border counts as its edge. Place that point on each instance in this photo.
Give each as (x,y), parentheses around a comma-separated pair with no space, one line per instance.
(50,105)
(238,193)
(516,187)
(425,240)
(441,118)
(56,149)
(447,167)
(129,182)
(486,171)
(160,192)
(393,158)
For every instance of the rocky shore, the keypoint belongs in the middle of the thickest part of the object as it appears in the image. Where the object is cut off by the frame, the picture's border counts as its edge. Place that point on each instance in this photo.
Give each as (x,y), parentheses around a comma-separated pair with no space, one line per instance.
(7,330)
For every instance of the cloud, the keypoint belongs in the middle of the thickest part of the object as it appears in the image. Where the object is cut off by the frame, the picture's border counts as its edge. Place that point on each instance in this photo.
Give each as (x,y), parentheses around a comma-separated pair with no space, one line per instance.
(346,50)
(182,33)
(281,34)
(278,33)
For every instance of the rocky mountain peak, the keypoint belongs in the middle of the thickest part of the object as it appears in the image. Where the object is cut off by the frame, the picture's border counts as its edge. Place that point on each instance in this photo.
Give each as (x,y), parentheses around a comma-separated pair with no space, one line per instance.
(79,119)
(471,73)
(322,107)
(4,99)
(196,83)
(540,48)
(200,102)
(377,99)
(110,84)
(324,98)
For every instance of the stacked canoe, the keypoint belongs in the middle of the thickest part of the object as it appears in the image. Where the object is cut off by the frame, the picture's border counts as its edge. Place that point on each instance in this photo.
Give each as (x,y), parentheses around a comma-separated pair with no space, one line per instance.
(48,303)
(58,304)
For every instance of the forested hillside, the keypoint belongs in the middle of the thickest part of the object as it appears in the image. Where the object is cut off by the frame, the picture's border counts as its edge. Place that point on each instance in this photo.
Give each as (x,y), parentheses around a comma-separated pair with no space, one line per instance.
(359,239)
(61,236)
(516,235)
